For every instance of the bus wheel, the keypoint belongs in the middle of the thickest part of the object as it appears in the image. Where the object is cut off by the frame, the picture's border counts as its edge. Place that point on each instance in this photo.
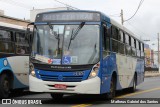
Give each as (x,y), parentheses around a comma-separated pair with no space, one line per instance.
(16,91)
(133,89)
(57,96)
(112,92)
(4,86)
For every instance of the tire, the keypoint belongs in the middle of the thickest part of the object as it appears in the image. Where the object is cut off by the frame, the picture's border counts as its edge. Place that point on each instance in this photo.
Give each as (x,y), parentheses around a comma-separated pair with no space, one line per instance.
(57,96)
(112,92)
(133,89)
(16,91)
(4,86)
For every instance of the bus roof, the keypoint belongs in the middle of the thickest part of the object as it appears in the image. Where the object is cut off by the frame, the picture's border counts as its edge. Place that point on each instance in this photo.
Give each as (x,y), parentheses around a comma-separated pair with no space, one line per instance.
(2,24)
(56,11)
(113,22)
(125,29)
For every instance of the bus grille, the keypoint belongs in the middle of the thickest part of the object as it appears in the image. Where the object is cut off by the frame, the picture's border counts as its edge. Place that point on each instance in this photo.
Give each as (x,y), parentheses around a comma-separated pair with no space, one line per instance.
(65,78)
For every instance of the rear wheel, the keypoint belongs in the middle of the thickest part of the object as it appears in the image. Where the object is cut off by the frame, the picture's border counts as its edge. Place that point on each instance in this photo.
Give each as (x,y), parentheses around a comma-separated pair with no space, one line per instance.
(112,93)
(4,86)
(57,96)
(133,88)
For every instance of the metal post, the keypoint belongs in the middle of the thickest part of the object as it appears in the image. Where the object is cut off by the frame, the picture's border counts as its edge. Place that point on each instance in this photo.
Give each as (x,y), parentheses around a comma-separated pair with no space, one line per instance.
(122,16)
(158,48)
(158,54)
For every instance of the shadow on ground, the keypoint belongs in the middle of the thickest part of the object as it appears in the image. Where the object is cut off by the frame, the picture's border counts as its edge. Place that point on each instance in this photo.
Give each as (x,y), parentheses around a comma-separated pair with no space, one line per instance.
(68,99)
(84,99)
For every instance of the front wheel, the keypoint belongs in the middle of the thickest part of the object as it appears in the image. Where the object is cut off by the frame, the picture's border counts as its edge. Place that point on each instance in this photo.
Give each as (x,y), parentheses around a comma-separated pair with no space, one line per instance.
(4,86)
(16,91)
(112,92)
(57,96)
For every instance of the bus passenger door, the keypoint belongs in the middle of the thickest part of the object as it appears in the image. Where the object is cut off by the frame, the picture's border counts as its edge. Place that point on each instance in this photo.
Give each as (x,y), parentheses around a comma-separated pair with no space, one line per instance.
(20,62)
(105,85)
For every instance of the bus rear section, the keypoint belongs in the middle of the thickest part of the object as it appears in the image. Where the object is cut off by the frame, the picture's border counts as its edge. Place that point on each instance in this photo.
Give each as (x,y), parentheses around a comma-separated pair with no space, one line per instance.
(14,59)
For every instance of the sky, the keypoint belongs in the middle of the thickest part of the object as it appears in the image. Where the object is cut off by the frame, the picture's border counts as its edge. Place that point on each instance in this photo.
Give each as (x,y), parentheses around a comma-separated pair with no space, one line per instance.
(145,24)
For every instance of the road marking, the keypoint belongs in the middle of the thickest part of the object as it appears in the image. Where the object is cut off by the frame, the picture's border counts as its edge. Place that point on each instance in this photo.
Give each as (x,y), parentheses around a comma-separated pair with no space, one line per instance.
(82,105)
(139,92)
(123,96)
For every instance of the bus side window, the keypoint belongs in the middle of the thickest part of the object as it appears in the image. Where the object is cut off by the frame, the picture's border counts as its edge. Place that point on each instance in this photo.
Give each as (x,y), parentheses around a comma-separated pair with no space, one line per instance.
(121,45)
(142,50)
(128,44)
(6,41)
(121,37)
(138,50)
(114,33)
(139,46)
(133,45)
(106,41)
(108,35)
(22,45)
(114,39)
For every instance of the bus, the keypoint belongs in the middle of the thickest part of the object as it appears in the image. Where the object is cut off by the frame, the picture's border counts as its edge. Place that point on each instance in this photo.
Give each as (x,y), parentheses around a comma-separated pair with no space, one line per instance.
(83,52)
(14,59)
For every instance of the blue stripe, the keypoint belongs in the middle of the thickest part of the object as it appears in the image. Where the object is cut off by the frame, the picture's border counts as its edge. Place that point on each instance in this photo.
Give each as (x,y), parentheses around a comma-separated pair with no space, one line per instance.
(16,82)
(68,76)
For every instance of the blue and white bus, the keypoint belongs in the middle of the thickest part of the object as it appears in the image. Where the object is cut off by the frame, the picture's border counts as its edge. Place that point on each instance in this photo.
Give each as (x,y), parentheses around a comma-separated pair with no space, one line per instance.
(14,58)
(83,52)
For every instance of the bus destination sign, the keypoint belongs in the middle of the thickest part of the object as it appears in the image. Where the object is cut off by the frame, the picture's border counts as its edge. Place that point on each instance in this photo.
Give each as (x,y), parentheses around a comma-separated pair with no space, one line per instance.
(68,16)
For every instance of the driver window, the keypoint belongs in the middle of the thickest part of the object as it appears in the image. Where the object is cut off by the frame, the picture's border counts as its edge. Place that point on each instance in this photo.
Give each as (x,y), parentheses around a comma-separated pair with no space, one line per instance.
(106,41)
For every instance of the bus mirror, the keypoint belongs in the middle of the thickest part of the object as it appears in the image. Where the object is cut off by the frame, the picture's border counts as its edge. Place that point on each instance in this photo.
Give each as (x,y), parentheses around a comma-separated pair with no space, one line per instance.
(32,23)
(27,35)
(105,26)
(28,31)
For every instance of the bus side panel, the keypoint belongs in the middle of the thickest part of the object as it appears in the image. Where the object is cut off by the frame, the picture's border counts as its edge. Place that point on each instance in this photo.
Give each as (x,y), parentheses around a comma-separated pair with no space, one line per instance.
(109,65)
(140,71)
(125,68)
(20,68)
(4,65)
(18,83)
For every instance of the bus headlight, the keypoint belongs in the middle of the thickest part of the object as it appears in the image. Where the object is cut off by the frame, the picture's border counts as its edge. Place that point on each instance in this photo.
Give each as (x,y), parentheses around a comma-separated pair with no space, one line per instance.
(94,71)
(32,71)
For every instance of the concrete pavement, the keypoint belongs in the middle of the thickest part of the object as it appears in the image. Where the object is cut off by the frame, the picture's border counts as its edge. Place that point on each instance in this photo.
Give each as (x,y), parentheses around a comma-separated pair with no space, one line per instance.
(152,74)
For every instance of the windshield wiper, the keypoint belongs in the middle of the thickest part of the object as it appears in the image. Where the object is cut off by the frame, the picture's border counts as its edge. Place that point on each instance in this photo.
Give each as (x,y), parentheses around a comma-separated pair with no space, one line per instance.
(51,27)
(56,36)
(74,34)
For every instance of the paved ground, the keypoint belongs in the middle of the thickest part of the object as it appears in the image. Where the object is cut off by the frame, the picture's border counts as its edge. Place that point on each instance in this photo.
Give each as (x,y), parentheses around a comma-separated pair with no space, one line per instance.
(149,89)
(152,74)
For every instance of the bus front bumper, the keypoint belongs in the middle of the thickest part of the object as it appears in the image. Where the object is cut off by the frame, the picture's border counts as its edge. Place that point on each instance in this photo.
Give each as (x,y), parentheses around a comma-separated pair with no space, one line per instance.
(90,86)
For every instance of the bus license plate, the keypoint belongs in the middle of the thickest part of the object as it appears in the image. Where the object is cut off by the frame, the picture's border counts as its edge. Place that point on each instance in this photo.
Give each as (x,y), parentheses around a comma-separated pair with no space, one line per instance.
(60,86)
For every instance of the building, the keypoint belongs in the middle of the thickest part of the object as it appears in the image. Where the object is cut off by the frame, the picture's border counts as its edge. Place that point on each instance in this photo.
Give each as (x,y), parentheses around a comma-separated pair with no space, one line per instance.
(34,12)
(149,56)
(11,20)
(1,12)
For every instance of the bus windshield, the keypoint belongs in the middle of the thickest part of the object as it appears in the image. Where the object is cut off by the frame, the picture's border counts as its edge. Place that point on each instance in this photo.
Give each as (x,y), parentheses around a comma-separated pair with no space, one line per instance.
(66,44)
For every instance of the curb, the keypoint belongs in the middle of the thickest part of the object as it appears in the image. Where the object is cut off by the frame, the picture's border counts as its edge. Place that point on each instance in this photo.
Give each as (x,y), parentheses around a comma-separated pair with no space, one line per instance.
(152,75)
